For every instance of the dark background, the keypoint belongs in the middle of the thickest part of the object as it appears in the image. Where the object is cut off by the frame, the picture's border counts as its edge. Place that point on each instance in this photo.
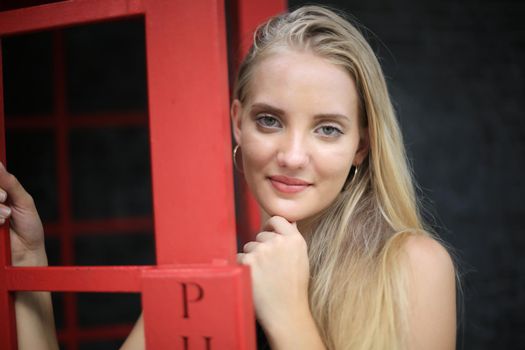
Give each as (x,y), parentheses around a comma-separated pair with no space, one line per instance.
(456,76)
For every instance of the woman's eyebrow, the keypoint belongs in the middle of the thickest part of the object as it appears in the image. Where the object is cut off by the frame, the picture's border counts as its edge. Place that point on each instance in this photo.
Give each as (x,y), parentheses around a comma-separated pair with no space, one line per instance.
(332,116)
(335,116)
(266,107)
(260,106)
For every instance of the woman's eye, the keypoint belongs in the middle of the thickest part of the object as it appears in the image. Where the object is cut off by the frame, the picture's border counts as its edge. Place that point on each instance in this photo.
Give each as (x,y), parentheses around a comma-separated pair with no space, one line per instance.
(328,130)
(268,121)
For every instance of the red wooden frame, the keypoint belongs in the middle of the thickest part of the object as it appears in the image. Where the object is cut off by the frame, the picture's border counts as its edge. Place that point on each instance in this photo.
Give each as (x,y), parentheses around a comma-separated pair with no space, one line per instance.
(196,294)
(246,16)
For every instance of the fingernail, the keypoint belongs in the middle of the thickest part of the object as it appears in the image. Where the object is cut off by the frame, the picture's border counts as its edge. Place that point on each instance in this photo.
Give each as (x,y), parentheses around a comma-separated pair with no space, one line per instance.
(3,196)
(5,211)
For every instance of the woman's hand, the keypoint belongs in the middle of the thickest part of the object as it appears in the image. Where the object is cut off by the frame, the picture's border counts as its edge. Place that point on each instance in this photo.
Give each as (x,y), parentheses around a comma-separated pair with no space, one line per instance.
(280,272)
(34,311)
(26,231)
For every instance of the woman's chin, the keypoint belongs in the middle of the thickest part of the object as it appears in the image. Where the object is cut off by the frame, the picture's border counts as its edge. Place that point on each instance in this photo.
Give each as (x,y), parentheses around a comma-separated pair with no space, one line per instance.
(289,214)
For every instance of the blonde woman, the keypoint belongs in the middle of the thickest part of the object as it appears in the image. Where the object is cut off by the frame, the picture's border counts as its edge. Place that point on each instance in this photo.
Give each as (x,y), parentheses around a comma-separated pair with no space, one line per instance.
(343,259)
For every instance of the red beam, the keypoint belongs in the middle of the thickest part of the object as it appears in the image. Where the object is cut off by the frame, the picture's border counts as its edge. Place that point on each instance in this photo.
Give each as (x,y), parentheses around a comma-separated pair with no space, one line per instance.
(246,16)
(98,120)
(98,333)
(109,120)
(30,122)
(104,226)
(64,177)
(205,308)
(8,339)
(191,161)
(113,225)
(75,279)
(66,13)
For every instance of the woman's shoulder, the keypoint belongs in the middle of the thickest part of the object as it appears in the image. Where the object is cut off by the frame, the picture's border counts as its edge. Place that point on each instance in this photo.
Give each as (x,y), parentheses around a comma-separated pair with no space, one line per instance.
(421,251)
(432,293)
(425,254)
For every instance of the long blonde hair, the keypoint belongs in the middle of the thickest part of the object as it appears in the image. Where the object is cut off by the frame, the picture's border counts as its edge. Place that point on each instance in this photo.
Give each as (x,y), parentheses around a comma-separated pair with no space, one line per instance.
(358,290)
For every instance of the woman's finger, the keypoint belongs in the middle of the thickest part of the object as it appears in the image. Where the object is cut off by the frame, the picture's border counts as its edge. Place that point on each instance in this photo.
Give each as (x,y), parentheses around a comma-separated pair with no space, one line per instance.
(280,225)
(250,246)
(240,257)
(5,211)
(265,236)
(3,195)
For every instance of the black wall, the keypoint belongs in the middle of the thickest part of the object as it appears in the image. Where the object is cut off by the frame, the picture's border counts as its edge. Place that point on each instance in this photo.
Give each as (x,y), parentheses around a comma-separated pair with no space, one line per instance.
(456,75)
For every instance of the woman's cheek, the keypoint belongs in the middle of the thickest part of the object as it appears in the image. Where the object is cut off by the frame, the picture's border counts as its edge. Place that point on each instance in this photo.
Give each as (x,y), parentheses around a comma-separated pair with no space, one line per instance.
(333,163)
(256,151)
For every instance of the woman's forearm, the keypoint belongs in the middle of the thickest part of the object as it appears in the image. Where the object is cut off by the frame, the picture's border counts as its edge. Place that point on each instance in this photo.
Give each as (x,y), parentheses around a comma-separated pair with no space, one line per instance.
(35,323)
(136,340)
(297,331)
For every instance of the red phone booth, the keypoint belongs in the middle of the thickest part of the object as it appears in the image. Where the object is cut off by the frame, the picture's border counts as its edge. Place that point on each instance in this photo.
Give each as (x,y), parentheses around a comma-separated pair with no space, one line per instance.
(196,296)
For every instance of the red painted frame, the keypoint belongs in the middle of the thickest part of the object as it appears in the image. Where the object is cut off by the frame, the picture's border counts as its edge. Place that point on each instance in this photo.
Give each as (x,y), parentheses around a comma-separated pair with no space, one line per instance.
(246,16)
(187,76)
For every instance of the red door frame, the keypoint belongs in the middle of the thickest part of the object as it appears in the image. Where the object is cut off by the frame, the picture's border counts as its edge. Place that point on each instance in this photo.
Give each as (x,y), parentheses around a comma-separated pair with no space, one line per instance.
(246,16)
(196,294)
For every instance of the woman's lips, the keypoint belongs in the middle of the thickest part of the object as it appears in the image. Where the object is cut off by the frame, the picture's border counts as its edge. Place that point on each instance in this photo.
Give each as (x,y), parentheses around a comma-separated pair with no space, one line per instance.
(288,184)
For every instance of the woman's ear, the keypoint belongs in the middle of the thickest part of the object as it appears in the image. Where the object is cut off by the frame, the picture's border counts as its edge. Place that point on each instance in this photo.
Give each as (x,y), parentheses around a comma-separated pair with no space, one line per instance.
(236,113)
(363,148)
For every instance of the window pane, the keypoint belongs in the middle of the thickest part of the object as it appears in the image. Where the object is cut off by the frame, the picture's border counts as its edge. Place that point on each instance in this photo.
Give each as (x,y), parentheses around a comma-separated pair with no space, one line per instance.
(106,67)
(27,70)
(110,173)
(31,158)
(117,249)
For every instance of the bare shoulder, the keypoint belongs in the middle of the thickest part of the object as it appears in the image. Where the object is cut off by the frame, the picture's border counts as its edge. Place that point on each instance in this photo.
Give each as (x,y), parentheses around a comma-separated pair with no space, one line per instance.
(432,294)
(427,254)
(432,272)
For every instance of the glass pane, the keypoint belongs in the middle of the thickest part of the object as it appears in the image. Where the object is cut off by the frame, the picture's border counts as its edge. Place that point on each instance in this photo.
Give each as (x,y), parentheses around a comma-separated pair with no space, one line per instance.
(110,173)
(106,67)
(27,72)
(97,309)
(117,249)
(102,345)
(53,251)
(58,309)
(31,158)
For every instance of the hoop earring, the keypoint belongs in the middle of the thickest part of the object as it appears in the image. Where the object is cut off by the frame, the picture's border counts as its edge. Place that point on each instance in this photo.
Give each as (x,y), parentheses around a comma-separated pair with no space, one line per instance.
(355,172)
(348,183)
(235,165)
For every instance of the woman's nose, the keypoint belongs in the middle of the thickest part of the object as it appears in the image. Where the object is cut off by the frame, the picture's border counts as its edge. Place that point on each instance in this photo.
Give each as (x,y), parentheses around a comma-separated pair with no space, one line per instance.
(293,152)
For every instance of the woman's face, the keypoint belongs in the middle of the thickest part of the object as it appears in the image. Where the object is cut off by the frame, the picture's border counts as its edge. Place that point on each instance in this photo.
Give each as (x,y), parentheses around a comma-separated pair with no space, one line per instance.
(299,133)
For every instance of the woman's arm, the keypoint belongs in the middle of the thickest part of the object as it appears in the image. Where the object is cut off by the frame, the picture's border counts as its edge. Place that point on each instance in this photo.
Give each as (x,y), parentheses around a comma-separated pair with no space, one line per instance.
(136,340)
(279,267)
(34,311)
(34,317)
(432,295)
(296,331)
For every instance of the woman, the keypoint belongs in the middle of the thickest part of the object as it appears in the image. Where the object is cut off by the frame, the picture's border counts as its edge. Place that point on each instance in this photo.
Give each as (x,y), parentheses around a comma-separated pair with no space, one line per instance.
(343,260)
